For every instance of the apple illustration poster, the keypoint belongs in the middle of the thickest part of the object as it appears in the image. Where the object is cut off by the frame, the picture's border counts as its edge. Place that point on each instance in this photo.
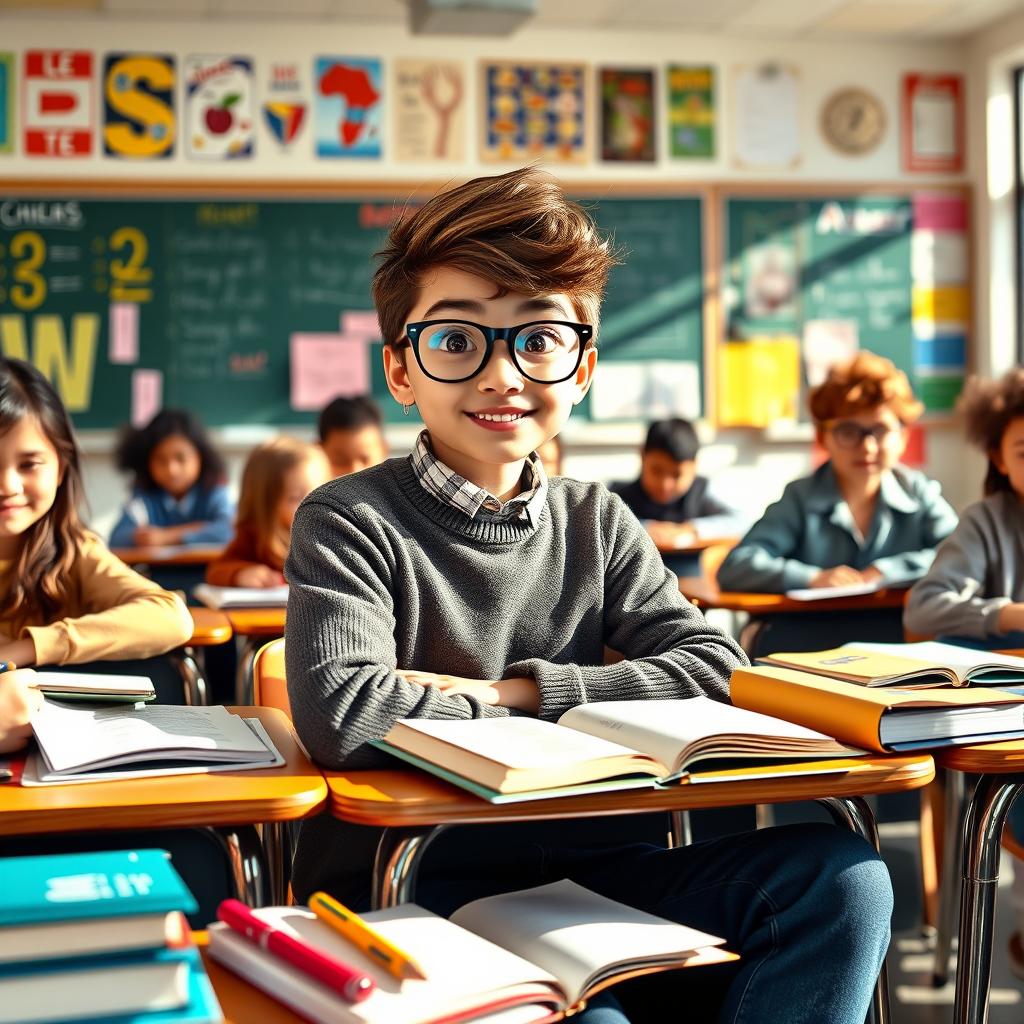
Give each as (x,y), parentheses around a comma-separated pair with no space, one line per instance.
(219,108)
(138,106)
(349,105)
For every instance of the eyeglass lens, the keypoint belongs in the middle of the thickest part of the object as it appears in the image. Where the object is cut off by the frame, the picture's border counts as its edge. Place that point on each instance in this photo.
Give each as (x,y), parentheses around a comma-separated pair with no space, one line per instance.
(852,435)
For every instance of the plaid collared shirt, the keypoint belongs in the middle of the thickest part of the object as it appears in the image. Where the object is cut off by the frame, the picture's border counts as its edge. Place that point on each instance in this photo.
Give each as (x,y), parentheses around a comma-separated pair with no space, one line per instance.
(447,486)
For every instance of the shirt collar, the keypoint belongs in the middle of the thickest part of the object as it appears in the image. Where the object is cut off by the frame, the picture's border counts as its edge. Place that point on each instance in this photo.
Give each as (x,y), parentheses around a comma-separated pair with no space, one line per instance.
(182,505)
(454,490)
(825,494)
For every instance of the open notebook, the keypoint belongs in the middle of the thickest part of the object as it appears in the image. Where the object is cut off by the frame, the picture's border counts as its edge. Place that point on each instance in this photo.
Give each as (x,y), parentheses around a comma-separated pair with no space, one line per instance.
(241,597)
(547,948)
(95,686)
(609,745)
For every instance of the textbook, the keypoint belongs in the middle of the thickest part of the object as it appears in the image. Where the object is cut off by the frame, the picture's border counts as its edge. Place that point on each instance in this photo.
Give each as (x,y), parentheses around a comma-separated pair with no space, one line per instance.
(880,719)
(85,743)
(607,745)
(924,664)
(241,597)
(95,686)
(72,904)
(549,948)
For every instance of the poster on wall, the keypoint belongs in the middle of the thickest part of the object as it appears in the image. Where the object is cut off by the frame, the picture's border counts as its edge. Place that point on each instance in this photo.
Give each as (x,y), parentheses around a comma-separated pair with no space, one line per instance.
(430,110)
(691,111)
(534,111)
(627,115)
(933,123)
(219,108)
(139,121)
(58,103)
(348,110)
(767,116)
(285,106)
(6,102)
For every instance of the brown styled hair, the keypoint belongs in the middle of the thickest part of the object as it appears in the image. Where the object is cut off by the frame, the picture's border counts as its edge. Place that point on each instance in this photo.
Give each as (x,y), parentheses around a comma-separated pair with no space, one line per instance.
(262,487)
(988,408)
(865,382)
(517,230)
(36,587)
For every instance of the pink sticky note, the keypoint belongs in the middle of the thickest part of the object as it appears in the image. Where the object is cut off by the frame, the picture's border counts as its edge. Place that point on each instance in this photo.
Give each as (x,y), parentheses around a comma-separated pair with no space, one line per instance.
(362,323)
(326,366)
(147,395)
(940,211)
(124,332)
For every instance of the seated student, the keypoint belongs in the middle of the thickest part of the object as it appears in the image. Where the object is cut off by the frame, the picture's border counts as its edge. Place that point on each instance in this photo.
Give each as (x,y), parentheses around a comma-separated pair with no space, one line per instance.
(674,503)
(351,435)
(19,699)
(460,582)
(550,455)
(860,517)
(277,476)
(179,494)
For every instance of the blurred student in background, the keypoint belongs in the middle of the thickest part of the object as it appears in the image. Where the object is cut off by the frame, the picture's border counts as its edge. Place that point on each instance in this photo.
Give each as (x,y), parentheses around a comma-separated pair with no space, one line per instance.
(351,435)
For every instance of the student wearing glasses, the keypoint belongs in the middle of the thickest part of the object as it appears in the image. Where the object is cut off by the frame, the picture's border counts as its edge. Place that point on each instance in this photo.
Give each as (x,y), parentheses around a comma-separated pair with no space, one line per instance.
(858,518)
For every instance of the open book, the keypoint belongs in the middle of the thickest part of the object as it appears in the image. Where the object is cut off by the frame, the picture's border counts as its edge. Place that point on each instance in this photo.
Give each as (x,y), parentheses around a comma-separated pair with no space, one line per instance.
(87,744)
(629,744)
(241,597)
(922,664)
(95,686)
(547,948)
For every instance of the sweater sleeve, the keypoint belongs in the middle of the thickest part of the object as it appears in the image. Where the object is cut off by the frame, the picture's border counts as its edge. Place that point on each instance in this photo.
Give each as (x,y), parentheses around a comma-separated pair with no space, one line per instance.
(124,615)
(951,599)
(218,522)
(761,561)
(669,650)
(340,651)
(936,522)
(240,554)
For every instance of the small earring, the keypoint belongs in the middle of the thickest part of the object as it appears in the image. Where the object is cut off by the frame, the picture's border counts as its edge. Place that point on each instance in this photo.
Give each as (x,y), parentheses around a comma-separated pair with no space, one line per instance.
(406,408)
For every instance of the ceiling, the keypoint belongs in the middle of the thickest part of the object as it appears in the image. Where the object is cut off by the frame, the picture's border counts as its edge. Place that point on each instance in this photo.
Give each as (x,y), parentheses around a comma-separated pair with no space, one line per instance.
(809,19)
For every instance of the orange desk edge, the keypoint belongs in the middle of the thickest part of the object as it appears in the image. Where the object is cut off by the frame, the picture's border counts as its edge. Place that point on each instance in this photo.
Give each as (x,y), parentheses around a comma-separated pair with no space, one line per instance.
(256,621)
(209,627)
(163,556)
(706,594)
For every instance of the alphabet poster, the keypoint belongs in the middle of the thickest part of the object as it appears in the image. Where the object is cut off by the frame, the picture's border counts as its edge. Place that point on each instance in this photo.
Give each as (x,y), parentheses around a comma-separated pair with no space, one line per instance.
(139,122)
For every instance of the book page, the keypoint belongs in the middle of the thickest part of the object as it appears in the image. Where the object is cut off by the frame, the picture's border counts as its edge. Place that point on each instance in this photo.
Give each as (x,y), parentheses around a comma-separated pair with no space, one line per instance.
(241,597)
(93,682)
(822,593)
(669,730)
(960,660)
(577,934)
(856,663)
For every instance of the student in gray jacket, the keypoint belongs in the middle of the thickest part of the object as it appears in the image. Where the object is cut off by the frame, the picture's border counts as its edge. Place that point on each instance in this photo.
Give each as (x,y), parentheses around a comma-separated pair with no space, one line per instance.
(859,518)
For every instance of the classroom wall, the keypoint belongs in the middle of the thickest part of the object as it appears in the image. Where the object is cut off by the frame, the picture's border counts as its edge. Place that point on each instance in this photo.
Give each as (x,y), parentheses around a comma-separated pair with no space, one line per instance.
(748,464)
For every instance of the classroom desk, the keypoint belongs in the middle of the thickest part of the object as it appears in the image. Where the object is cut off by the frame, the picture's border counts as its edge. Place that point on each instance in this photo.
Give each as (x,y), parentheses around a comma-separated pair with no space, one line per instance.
(705,593)
(209,629)
(256,626)
(228,803)
(169,555)
(975,852)
(413,807)
(695,546)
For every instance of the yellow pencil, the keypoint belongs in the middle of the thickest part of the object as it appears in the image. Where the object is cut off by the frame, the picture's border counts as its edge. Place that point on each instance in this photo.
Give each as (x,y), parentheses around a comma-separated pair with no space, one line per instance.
(363,936)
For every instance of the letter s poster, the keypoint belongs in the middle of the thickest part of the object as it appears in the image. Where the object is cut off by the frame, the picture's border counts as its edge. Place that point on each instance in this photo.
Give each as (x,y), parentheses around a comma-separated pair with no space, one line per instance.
(139,121)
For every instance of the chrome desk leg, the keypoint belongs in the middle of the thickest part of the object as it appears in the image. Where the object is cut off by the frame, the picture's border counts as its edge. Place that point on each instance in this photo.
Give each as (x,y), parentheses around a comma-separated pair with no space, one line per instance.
(243,677)
(396,863)
(855,814)
(952,855)
(277,849)
(682,829)
(191,676)
(244,852)
(983,829)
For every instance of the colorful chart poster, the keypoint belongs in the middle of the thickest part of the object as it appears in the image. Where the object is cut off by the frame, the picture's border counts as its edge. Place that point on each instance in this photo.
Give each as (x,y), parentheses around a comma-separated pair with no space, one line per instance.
(6,102)
(430,110)
(139,122)
(284,110)
(534,112)
(58,103)
(691,111)
(627,115)
(219,108)
(349,106)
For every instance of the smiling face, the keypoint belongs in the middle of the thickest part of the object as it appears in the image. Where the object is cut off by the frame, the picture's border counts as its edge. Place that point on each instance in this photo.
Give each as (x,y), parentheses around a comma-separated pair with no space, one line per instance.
(30,474)
(484,427)
(860,458)
(1009,459)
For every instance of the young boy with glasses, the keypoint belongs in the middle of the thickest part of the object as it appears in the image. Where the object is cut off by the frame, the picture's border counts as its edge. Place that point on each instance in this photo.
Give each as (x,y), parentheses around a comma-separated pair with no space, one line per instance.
(461,582)
(859,518)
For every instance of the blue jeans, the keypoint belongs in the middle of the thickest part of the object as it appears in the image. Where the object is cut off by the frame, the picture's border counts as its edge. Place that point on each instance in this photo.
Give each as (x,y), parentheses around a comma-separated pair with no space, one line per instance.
(806,907)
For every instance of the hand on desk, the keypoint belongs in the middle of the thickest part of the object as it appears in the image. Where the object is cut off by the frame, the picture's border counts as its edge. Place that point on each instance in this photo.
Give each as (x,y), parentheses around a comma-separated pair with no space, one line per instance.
(520,693)
(161,536)
(669,535)
(845,576)
(258,576)
(19,700)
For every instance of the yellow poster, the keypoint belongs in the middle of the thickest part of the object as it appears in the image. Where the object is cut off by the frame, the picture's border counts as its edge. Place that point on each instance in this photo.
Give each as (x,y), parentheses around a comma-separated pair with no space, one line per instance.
(758,381)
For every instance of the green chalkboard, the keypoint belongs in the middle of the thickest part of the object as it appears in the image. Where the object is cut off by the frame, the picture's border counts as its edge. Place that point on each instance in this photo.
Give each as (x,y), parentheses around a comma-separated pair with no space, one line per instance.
(208,294)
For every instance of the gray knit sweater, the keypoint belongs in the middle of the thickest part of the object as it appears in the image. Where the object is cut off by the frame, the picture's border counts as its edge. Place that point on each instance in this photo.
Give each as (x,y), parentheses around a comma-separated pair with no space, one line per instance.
(383,575)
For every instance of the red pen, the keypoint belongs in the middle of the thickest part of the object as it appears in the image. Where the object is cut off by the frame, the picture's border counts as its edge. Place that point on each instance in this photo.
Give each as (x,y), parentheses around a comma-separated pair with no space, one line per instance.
(351,984)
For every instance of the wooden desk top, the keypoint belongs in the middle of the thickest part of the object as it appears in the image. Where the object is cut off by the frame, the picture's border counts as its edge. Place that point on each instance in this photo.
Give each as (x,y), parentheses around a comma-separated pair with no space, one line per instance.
(241,1002)
(256,621)
(705,593)
(1006,758)
(295,790)
(209,627)
(399,798)
(172,555)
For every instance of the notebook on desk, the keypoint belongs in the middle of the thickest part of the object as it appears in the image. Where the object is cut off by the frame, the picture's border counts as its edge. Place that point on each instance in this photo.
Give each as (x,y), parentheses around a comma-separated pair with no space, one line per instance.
(241,597)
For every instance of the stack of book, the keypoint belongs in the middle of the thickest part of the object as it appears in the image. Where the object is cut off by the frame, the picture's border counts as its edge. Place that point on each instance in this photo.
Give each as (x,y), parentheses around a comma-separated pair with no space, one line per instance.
(99,937)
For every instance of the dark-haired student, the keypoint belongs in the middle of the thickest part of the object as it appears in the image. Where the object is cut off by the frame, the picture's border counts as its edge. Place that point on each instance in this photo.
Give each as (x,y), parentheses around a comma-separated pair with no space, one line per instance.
(351,434)
(461,582)
(179,491)
(675,505)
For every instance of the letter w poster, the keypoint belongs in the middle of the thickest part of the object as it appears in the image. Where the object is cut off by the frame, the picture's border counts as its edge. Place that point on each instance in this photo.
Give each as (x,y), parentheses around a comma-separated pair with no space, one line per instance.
(139,121)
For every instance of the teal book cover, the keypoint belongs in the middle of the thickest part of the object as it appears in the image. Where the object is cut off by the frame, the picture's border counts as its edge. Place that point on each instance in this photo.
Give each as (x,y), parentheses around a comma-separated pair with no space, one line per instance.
(80,886)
